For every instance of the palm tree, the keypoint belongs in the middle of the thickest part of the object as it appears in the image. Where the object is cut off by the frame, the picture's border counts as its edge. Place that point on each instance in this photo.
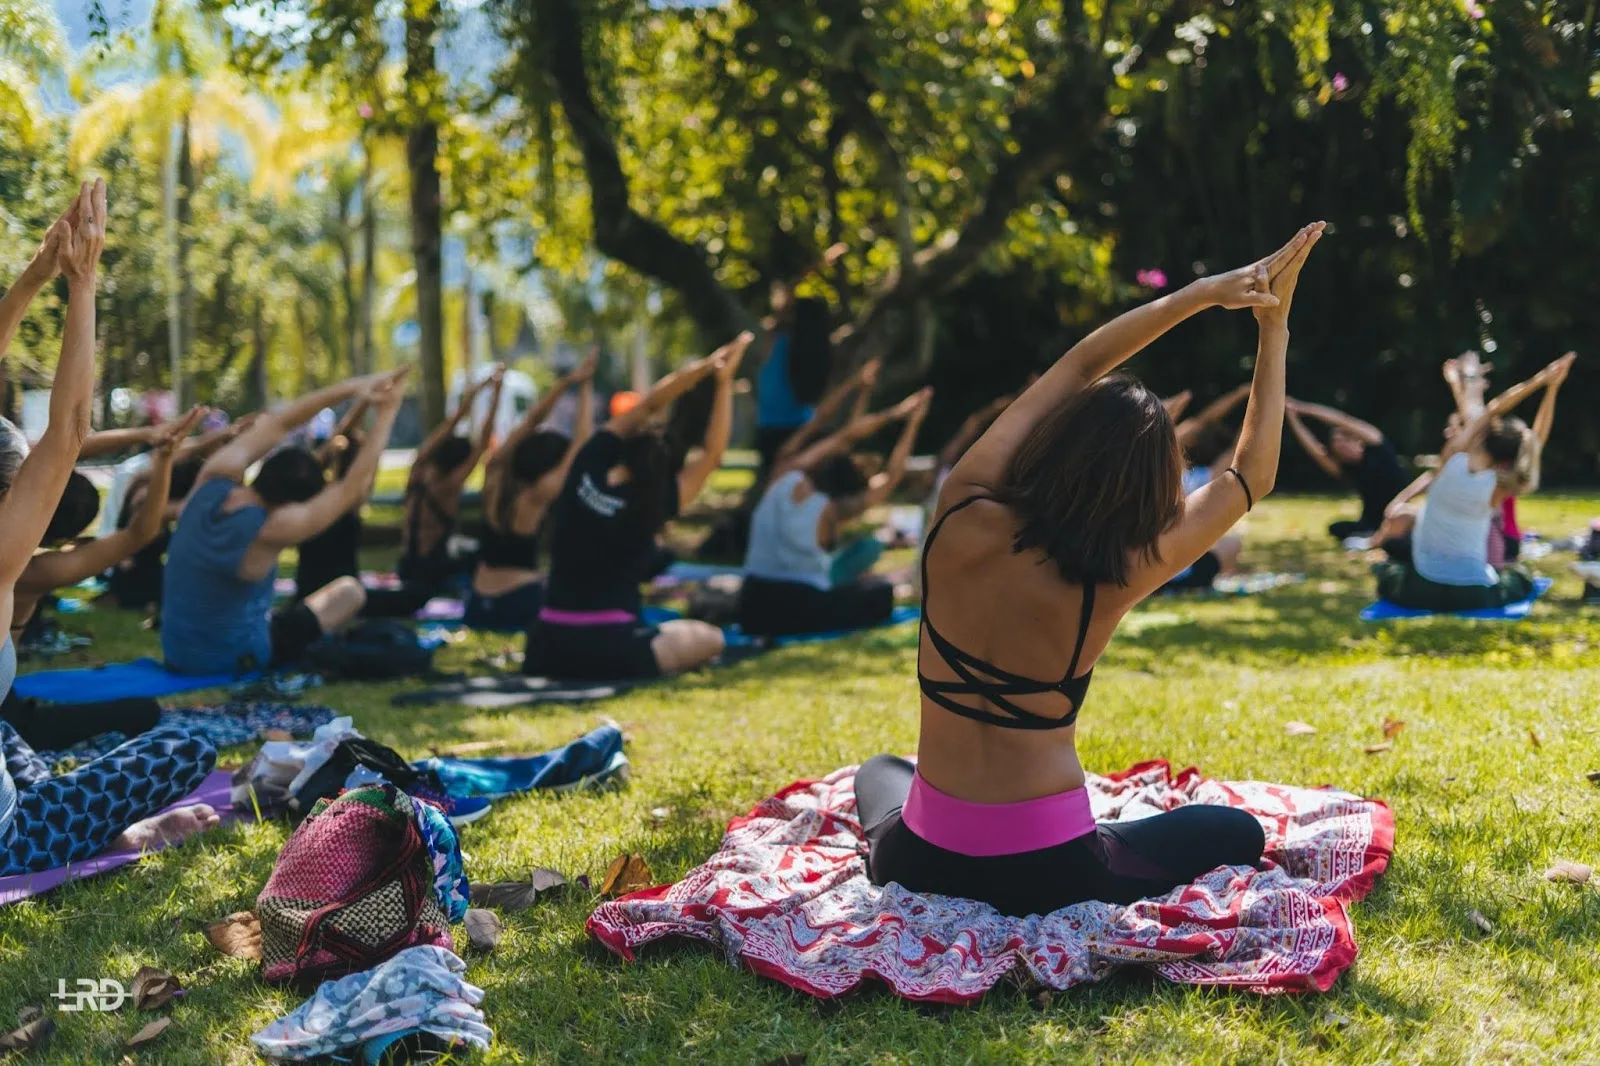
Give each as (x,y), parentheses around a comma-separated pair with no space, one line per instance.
(32,46)
(183,103)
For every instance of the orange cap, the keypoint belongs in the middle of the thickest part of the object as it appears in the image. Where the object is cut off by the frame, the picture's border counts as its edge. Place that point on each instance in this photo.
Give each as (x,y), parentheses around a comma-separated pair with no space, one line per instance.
(623,402)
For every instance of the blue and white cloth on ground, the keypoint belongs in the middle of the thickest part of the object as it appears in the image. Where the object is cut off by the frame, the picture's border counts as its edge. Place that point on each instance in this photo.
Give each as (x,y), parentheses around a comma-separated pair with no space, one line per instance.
(419,989)
(1383,610)
(588,756)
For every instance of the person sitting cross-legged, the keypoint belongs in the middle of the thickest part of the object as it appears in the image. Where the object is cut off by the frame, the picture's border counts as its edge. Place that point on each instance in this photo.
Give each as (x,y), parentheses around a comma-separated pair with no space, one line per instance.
(217,590)
(1357,452)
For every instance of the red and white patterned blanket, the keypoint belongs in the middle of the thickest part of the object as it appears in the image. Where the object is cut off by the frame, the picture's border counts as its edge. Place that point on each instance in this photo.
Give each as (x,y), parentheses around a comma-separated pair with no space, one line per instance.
(787,894)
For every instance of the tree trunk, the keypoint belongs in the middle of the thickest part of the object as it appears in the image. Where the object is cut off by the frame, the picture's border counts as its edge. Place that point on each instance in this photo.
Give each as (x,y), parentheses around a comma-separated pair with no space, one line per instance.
(422,151)
(347,279)
(259,394)
(369,253)
(186,297)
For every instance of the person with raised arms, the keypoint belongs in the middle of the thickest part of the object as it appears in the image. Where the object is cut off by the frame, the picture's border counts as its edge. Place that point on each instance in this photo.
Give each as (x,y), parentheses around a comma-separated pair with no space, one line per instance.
(799,578)
(1492,456)
(1357,453)
(623,487)
(522,479)
(111,802)
(217,590)
(1063,516)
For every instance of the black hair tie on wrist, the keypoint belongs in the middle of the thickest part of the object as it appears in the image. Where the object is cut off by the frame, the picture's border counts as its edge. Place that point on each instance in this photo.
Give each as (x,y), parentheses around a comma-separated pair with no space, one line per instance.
(1249,497)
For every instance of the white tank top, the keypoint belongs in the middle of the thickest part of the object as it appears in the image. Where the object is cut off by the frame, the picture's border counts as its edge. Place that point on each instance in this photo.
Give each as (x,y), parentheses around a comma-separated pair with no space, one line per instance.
(1451,541)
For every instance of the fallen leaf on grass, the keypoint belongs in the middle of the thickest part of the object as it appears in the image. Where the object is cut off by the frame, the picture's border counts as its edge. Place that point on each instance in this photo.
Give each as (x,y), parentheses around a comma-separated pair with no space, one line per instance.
(483,929)
(1567,870)
(659,815)
(153,988)
(34,1032)
(793,1058)
(1480,921)
(518,895)
(1392,727)
(1298,729)
(237,936)
(627,873)
(1533,738)
(1375,749)
(1042,999)
(1593,776)
(149,1033)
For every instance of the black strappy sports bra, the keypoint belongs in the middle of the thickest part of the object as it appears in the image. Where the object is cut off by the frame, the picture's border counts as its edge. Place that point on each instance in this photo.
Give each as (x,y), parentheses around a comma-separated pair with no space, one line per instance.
(987,681)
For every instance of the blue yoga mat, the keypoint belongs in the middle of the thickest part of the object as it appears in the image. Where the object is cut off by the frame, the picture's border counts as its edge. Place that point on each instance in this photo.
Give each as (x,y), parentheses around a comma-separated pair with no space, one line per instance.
(116,681)
(1383,610)
(737,638)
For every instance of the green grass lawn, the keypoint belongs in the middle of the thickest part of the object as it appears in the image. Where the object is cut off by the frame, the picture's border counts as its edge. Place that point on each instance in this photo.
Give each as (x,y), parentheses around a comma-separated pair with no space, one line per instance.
(1486,780)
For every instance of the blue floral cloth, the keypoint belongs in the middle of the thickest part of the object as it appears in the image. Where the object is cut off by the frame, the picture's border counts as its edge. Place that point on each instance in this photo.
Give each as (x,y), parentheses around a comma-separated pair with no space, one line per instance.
(419,989)
(444,848)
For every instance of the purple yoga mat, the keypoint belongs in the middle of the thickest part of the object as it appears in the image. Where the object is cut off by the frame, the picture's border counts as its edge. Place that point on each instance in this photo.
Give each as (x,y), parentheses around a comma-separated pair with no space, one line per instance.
(442,609)
(214,790)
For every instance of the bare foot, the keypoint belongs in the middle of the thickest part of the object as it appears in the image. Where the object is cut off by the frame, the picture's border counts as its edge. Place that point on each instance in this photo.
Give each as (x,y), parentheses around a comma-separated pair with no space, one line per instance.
(173,827)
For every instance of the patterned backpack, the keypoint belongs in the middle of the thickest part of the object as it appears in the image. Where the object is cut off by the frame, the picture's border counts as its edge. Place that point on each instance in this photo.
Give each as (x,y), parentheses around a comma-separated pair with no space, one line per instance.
(353,886)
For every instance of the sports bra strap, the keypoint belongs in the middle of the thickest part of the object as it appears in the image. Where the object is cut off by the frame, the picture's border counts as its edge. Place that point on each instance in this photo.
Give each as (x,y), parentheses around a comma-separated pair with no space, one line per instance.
(1084,617)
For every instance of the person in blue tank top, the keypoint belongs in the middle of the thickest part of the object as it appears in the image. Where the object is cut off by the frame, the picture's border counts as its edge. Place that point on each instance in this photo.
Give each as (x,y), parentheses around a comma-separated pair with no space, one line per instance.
(797,366)
(112,802)
(217,613)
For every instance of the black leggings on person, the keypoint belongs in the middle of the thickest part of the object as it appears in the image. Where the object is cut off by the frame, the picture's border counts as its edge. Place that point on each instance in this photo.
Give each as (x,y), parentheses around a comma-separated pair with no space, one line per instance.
(789,608)
(57,726)
(1400,584)
(1119,862)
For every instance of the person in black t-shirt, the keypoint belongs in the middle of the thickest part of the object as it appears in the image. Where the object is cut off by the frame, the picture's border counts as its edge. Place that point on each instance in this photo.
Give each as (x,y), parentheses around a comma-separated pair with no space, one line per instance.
(1356,452)
(621,489)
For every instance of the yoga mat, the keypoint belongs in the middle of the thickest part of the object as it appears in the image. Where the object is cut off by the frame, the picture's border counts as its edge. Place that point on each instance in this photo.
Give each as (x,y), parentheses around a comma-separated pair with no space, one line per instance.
(116,681)
(213,790)
(1384,611)
(681,572)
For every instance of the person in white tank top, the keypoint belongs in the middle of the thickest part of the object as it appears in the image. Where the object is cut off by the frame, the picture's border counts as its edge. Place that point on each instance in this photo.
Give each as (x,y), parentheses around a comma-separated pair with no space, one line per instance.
(1492,456)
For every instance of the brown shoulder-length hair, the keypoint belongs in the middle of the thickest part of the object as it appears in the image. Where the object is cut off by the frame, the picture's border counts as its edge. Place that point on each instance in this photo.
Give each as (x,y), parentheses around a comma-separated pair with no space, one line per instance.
(1097,481)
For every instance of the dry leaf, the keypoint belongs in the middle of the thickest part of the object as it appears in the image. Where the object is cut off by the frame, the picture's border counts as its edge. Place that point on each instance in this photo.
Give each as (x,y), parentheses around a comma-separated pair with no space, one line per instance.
(1593,776)
(1298,729)
(794,1058)
(545,880)
(1567,870)
(153,988)
(507,895)
(1481,922)
(1533,738)
(149,1032)
(1374,749)
(34,1032)
(238,935)
(627,873)
(660,814)
(1391,727)
(483,929)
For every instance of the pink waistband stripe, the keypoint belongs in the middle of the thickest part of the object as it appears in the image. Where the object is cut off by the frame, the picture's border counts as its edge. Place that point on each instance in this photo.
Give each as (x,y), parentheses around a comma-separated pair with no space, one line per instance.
(613,617)
(984,829)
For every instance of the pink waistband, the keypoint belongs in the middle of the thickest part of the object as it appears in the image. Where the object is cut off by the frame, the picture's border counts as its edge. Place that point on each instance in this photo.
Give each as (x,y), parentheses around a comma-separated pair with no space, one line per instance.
(613,617)
(982,829)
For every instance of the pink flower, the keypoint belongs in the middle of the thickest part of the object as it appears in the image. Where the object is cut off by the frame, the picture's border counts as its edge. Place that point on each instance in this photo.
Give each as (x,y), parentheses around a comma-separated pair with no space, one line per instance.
(1340,83)
(1154,278)
(364,110)
(1475,11)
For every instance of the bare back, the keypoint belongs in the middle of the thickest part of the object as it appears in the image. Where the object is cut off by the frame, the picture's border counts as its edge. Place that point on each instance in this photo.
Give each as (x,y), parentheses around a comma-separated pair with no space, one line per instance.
(1016,613)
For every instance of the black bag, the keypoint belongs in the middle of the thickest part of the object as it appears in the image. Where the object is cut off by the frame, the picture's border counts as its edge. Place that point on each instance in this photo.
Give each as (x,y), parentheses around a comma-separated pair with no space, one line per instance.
(379,649)
(329,778)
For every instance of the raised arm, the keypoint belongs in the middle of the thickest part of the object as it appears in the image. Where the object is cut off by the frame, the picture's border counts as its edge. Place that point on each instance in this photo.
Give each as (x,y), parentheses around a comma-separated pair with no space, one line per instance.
(270,427)
(485,438)
(446,429)
(694,475)
(1500,406)
(1178,403)
(1366,431)
(675,384)
(1547,406)
(1468,378)
(840,442)
(40,269)
(1418,486)
(1211,510)
(297,523)
(1215,411)
(859,385)
(1102,352)
(339,439)
(26,509)
(53,570)
(111,441)
(539,412)
(914,409)
(1308,441)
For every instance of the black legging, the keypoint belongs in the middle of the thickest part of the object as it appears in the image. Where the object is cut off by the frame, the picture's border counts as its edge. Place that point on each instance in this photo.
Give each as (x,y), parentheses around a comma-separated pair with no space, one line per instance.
(789,608)
(57,726)
(1118,863)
